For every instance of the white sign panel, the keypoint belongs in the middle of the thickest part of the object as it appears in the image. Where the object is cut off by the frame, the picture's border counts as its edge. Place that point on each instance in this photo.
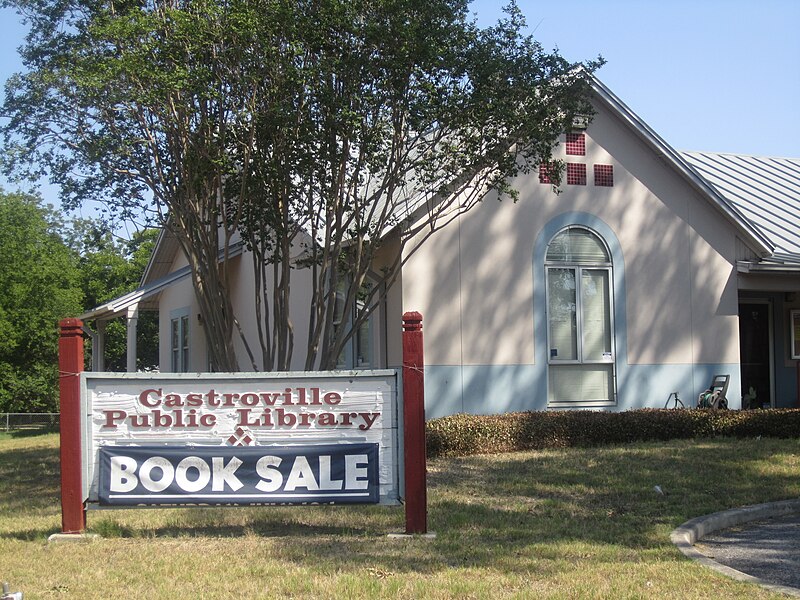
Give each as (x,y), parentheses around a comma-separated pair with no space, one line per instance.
(241,438)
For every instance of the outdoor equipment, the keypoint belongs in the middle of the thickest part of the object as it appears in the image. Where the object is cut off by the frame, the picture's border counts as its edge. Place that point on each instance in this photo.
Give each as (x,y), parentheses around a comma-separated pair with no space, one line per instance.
(715,396)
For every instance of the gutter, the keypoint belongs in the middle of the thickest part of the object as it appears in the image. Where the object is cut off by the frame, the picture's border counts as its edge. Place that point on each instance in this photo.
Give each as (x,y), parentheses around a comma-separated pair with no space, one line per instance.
(744,266)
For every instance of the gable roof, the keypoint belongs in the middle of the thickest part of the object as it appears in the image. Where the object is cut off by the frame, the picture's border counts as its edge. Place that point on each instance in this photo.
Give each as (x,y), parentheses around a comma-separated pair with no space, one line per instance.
(760,197)
(118,306)
(411,200)
(751,234)
(765,190)
(157,276)
(162,258)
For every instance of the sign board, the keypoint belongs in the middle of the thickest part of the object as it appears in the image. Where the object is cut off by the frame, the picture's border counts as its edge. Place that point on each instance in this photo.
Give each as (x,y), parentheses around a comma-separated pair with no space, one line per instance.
(240,439)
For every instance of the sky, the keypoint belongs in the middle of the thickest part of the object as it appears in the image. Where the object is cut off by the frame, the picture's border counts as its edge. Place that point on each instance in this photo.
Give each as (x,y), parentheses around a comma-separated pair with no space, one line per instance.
(713,75)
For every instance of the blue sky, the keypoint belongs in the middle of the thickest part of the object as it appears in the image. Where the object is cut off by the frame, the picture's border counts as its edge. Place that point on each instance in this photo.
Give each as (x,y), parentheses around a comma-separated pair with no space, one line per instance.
(715,75)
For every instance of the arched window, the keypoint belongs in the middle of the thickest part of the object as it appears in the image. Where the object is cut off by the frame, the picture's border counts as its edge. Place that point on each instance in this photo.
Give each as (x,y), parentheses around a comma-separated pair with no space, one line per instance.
(579,319)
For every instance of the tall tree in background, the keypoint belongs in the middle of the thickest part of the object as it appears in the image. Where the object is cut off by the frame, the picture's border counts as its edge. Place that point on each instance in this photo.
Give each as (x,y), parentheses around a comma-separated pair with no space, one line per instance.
(39,280)
(313,127)
(109,268)
(140,106)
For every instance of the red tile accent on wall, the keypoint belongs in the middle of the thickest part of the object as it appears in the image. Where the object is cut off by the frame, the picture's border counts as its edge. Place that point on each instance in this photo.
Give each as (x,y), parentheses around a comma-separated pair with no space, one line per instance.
(544,173)
(576,144)
(604,175)
(576,174)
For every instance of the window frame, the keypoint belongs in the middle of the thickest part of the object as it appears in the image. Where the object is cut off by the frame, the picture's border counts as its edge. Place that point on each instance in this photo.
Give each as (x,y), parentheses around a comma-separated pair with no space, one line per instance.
(578,267)
(579,313)
(179,354)
(794,326)
(348,359)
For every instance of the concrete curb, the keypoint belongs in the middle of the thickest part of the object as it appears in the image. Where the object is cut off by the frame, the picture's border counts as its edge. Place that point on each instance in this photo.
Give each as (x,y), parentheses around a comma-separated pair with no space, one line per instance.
(685,536)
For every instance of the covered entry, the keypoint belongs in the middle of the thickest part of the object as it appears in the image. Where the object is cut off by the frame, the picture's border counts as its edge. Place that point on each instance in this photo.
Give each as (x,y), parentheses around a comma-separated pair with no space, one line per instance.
(757,357)
(770,370)
(764,192)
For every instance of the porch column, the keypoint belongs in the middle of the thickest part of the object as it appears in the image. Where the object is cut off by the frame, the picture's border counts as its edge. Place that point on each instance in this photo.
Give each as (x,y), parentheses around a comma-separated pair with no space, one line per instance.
(416,485)
(132,319)
(99,347)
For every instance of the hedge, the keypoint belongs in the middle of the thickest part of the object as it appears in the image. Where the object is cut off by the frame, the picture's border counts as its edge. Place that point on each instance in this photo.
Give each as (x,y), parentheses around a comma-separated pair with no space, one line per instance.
(462,434)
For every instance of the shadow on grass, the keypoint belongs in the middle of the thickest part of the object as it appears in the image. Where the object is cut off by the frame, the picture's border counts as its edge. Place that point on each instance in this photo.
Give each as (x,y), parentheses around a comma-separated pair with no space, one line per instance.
(31,432)
(234,522)
(29,479)
(538,511)
(271,526)
(546,510)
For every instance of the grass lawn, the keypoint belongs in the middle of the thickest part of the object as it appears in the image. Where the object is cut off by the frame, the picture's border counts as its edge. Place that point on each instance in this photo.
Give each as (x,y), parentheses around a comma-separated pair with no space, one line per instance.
(575,523)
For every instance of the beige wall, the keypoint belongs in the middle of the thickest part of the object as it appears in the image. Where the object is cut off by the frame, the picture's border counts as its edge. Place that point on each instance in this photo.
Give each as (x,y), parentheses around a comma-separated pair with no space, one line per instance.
(474,281)
(181,296)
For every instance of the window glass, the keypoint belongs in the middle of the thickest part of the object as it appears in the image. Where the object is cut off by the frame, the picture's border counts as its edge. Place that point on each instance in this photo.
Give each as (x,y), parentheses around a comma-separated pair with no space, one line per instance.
(795,314)
(363,350)
(596,314)
(174,345)
(184,344)
(580,328)
(581,383)
(179,344)
(357,353)
(577,246)
(563,315)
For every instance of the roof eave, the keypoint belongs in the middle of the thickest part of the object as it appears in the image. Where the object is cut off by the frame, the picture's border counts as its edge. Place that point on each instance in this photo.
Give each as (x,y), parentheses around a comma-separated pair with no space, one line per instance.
(747,267)
(119,306)
(759,243)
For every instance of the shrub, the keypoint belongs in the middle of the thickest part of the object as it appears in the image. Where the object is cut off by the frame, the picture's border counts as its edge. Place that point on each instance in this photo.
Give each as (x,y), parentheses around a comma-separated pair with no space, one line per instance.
(462,434)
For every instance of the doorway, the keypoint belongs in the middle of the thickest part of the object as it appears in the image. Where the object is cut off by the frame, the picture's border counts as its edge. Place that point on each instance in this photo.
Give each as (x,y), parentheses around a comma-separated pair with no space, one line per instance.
(755,343)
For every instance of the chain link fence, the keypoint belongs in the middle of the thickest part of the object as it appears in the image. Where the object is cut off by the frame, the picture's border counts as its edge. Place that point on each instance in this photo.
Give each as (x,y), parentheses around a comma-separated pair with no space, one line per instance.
(15,421)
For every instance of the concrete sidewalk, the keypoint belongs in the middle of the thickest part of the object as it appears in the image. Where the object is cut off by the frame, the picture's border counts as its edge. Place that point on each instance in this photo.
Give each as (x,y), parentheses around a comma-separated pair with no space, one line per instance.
(760,544)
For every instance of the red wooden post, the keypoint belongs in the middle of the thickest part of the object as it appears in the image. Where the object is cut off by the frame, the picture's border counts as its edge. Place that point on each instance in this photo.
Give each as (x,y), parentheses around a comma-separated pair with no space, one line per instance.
(70,365)
(416,496)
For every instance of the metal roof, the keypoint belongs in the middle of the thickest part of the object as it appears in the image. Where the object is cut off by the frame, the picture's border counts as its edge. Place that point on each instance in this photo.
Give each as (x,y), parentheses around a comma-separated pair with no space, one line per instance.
(765,190)
(119,306)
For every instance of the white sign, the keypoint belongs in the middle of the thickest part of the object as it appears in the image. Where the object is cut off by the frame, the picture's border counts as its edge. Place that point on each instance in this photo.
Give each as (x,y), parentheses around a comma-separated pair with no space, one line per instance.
(301,412)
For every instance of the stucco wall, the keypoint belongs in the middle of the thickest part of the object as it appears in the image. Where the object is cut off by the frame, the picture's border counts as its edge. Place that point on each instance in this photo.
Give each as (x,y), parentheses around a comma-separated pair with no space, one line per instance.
(180,298)
(480,286)
(175,300)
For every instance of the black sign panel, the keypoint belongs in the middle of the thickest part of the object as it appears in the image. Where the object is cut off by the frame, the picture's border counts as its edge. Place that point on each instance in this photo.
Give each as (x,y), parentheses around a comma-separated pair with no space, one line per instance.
(170,475)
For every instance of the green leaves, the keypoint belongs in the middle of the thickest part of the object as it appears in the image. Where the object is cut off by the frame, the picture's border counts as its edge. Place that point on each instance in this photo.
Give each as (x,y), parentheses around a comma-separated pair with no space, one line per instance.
(39,279)
(322,122)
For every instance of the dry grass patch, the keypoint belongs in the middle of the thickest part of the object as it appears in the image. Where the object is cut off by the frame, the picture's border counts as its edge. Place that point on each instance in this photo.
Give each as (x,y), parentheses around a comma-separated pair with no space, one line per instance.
(577,523)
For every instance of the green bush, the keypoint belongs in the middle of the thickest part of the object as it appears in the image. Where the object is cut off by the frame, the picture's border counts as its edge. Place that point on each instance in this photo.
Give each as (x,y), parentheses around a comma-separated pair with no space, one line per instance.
(462,434)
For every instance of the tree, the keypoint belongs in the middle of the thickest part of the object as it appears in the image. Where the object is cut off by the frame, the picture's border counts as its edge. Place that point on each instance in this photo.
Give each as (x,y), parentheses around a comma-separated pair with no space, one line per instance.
(321,130)
(140,106)
(39,279)
(402,120)
(109,268)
